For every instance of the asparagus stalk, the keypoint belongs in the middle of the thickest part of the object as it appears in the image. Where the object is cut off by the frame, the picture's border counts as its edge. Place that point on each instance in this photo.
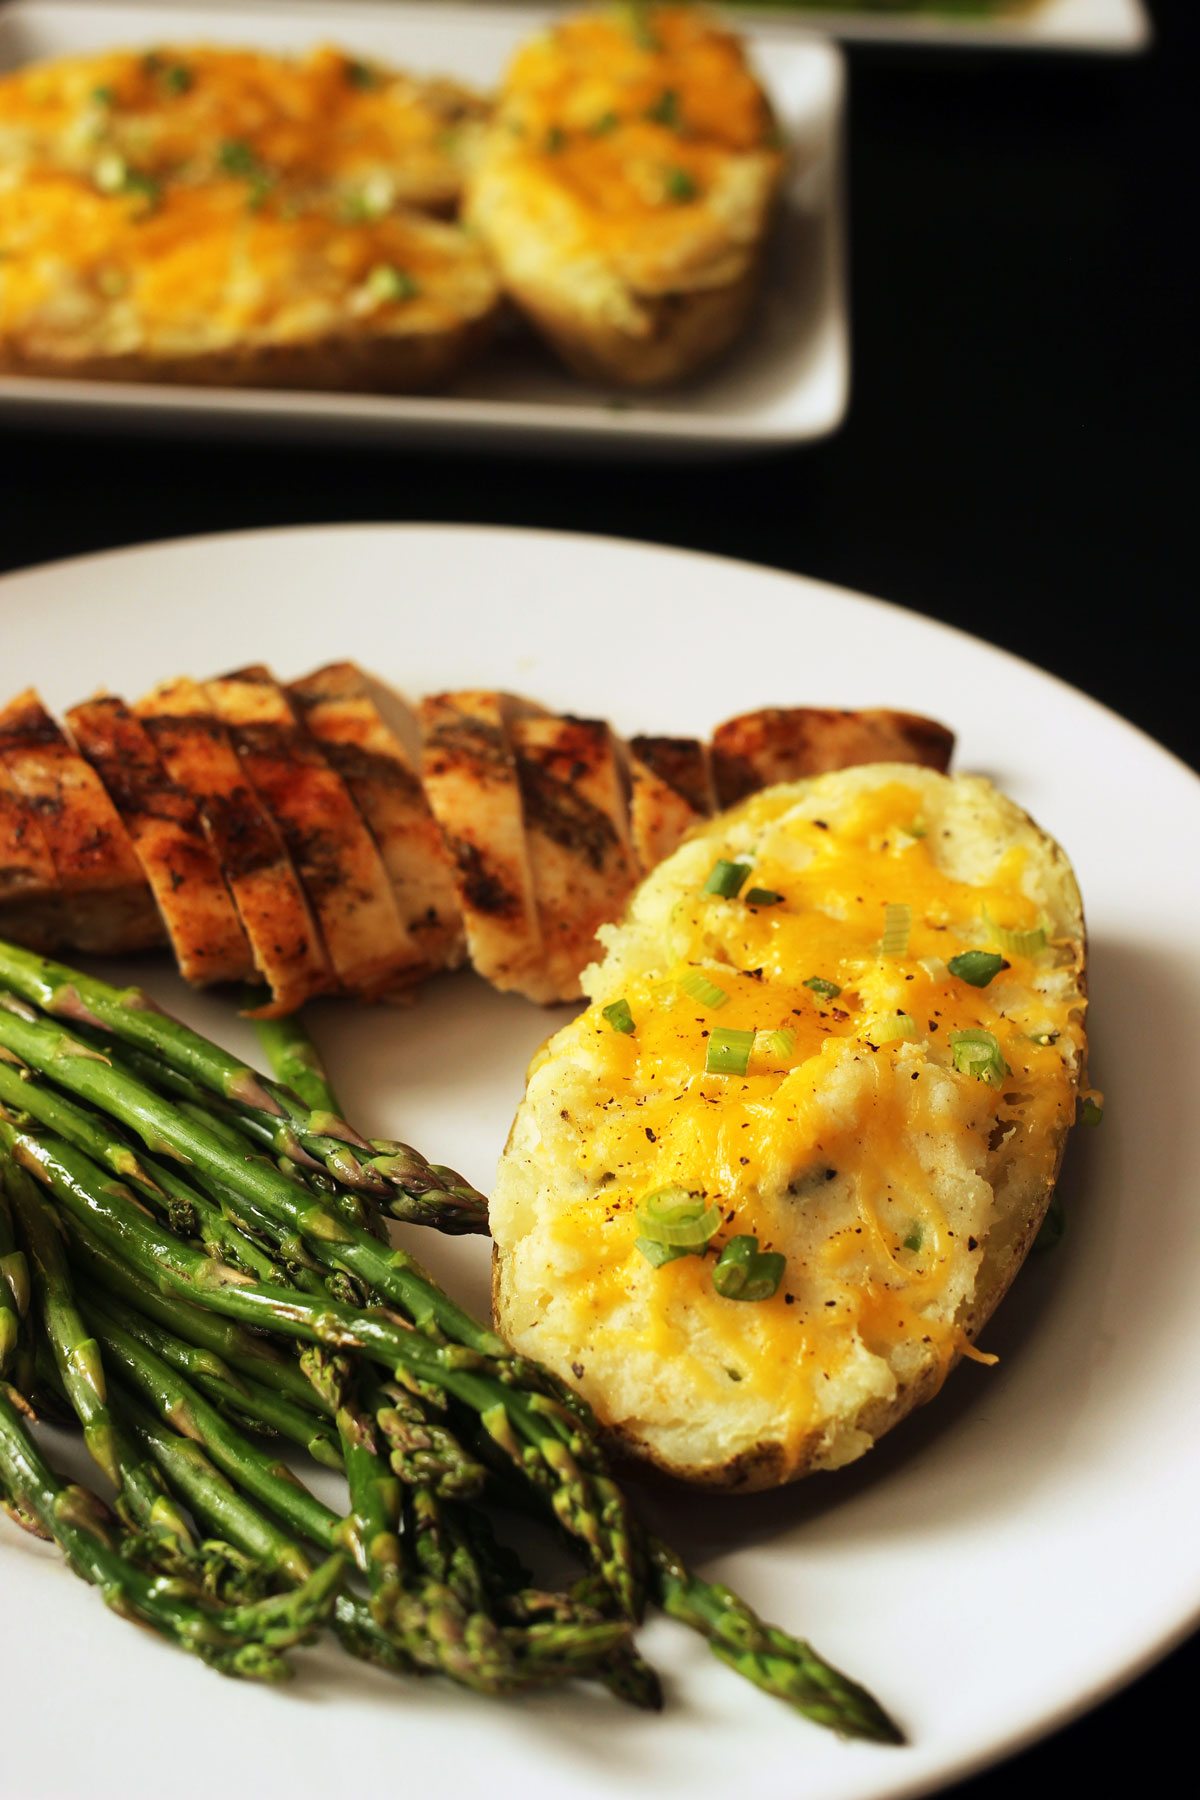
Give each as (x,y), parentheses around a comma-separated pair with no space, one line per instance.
(14,1284)
(765,1655)
(245,1640)
(292,1056)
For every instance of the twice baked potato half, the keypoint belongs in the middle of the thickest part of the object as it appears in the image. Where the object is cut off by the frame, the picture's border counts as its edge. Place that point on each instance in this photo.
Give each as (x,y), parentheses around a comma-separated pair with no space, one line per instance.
(762,1195)
(202,285)
(625,188)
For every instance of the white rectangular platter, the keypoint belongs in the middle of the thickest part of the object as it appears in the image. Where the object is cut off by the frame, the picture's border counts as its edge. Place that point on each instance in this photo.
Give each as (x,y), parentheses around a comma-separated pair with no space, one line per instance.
(787,383)
(1112,27)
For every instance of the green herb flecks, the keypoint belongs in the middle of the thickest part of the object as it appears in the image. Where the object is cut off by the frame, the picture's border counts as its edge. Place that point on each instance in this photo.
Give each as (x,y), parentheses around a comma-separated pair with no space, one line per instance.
(744,1272)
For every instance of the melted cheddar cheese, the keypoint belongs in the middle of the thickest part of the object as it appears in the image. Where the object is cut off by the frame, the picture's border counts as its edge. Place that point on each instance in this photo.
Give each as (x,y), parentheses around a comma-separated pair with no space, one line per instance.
(879,1169)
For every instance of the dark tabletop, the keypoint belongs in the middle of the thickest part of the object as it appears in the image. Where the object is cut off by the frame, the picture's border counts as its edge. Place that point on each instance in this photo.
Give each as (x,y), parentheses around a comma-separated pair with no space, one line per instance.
(1019,458)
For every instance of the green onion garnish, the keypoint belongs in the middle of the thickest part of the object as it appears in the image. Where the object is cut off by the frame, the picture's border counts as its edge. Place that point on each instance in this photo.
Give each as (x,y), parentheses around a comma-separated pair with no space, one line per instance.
(680,186)
(361,75)
(237,157)
(556,139)
(1091,1110)
(728,1051)
(780,1043)
(977,967)
(386,282)
(977,1053)
(657,1254)
(916,828)
(670,1215)
(1053,1225)
(827,990)
(890,1027)
(915,1238)
(726,878)
(744,1272)
(104,96)
(619,1015)
(698,987)
(604,124)
(897,928)
(665,110)
(763,897)
(178,79)
(1017,942)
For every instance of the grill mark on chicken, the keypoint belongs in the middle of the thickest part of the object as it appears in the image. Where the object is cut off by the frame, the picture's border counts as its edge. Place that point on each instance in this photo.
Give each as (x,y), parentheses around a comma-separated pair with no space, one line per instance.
(671,789)
(169,839)
(683,764)
(576,815)
(199,757)
(333,853)
(103,902)
(338,710)
(758,749)
(471,781)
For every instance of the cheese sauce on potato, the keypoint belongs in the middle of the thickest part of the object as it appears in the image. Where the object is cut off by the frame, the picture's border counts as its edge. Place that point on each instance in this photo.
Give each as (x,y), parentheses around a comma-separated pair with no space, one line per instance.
(899,1168)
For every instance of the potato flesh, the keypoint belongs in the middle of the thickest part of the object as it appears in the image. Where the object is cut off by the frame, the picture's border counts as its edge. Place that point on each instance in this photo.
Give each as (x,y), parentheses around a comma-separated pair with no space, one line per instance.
(933,1170)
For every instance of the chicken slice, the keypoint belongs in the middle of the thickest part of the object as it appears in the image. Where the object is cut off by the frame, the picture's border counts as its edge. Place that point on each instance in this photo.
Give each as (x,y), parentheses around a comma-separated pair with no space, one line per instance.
(337,709)
(29,907)
(331,849)
(577,833)
(671,789)
(470,777)
(757,749)
(199,758)
(168,837)
(105,904)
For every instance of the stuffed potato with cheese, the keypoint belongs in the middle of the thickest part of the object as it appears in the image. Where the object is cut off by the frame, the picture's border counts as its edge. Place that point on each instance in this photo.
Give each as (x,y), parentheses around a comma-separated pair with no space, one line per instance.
(765,1191)
(625,188)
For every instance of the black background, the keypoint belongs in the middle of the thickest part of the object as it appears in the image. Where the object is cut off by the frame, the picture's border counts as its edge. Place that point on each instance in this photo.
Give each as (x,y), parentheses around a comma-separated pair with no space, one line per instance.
(1019,457)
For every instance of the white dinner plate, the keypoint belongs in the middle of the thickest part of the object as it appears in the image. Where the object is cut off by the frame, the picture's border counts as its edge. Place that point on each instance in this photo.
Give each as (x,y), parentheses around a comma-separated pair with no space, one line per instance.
(786,383)
(1002,1560)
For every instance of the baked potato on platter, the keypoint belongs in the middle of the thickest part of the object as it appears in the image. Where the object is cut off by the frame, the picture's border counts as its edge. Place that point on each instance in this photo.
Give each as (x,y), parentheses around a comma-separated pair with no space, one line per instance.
(765,1191)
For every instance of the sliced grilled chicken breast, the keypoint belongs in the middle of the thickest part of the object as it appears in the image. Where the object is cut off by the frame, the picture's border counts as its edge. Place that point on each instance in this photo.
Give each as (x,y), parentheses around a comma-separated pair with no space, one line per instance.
(470,777)
(105,904)
(671,789)
(331,849)
(337,710)
(169,840)
(577,833)
(29,910)
(199,758)
(786,743)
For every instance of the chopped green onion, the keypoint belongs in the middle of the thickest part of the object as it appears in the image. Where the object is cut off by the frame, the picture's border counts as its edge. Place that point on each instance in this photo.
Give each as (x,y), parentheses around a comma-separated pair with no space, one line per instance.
(388,283)
(619,1015)
(604,124)
(780,1043)
(1091,1110)
(728,1051)
(763,897)
(977,967)
(178,79)
(977,1053)
(104,96)
(890,1027)
(670,1215)
(361,75)
(916,828)
(657,1254)
(698,987)
(897,928)
(1053,1226)
(827,990)
(556,139)
(237,157)
(726,878)
(915,1238)
(1016,942)
(744,1272)
(665,110)
(680,186)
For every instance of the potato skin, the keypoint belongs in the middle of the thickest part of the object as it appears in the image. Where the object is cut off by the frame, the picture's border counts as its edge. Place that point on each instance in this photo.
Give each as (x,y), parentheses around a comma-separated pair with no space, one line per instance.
(1023,1191)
